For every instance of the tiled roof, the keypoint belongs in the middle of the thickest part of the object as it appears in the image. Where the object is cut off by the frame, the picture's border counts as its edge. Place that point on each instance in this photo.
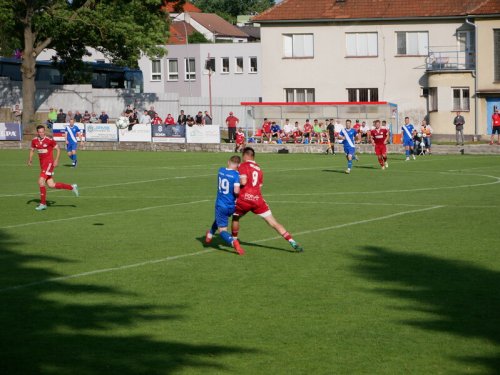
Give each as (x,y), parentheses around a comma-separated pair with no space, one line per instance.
(188,7)
(178,32)
(302,10)
(217,25)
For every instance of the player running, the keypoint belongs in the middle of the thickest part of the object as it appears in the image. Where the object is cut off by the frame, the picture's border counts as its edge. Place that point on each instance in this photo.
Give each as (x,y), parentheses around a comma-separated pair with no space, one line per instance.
(250,198)
(72,131)
(45,146)
(227,191)
(349,136)
(379,138)
(408,131)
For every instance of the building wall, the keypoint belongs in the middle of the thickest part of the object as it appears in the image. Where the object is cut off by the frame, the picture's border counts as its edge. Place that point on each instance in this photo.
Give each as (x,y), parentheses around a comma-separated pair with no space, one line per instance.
(246,84)
(330,72)
(486,78)
(442,120)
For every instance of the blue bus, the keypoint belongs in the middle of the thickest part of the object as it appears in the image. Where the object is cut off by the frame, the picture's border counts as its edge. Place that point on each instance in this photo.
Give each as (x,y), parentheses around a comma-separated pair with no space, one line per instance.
(103,76)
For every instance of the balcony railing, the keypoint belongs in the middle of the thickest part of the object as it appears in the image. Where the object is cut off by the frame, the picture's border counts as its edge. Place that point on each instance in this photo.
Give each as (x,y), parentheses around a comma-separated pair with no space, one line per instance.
(441,59)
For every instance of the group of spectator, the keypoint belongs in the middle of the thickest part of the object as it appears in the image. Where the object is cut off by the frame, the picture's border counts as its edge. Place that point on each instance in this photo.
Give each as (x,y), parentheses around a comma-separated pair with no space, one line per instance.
(150,116)
(86,117)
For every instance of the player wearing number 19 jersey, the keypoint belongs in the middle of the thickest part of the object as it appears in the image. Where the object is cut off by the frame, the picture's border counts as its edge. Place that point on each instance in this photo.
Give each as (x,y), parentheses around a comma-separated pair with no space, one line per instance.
(227,190)
(250,198)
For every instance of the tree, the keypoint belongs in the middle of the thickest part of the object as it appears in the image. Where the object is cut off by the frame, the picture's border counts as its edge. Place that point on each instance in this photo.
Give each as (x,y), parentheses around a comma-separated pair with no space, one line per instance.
(230,9)
(121,29)
(197,38)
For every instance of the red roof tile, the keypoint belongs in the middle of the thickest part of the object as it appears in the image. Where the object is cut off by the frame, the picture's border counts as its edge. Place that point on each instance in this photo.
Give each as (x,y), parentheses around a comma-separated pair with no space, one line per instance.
(302,10)
(188,7)
(218,25)
(178,32)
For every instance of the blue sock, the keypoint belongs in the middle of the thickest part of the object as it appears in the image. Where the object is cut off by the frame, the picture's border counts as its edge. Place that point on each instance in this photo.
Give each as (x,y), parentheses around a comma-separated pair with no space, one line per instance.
(407,153)
(214,228)
(227,237)
(349,164)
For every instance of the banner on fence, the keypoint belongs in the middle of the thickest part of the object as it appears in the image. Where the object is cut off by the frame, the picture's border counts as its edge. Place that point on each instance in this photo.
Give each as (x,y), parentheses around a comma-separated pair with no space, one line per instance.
(59,130)
(138,133)
(203,134)
(169,133)
(10,131)
(101,132)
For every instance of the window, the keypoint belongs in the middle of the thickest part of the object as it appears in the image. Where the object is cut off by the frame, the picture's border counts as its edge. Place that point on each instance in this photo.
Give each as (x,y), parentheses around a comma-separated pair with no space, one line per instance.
(239,64)
(461,99)
(432,98)
(210,65)
(361,44)
(253,65)
(298,45)
(496,48)
(412,43)
(173,70)
(190,72)
(362,95)
(299,95)
(225,64)
(155,70)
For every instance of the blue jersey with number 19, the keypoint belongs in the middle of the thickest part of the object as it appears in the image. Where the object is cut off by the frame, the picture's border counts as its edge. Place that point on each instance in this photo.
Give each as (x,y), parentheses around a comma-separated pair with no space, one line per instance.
(228,179)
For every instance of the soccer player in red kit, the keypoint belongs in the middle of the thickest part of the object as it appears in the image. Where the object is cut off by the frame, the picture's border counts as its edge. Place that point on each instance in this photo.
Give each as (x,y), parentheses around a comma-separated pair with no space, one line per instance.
(250,198)
(44,147)
(379,137)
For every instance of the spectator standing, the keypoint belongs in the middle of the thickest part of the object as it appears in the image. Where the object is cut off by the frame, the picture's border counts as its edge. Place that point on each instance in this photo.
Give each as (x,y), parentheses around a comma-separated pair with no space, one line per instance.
(495,126)
(207,119)
(190,121)
(232,122)
(426,134)
(151,112)
(459,123)
(17,113)
(331,137)
(86,117)
(128,110)
(198,119)
(78,116)
(69,116)
(182,118)
(156,120)
(93,118)
(51,117)
(61,117)
(103,118)
(145,118)
(169,120)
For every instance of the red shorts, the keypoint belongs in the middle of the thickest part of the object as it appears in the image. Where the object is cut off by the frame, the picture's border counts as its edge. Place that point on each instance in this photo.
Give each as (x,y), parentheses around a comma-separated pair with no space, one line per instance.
(47,170)
(257,205)
(380,149)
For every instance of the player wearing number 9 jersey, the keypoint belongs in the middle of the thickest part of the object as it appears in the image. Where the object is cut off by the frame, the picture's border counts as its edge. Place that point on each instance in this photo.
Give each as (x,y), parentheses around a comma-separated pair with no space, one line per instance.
(227,190)
(251,199)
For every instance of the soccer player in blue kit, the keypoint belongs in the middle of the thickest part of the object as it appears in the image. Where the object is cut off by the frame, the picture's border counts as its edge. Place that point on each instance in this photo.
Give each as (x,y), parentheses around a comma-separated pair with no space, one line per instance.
(72,131)
(227,191)
(408,131)
(348,136)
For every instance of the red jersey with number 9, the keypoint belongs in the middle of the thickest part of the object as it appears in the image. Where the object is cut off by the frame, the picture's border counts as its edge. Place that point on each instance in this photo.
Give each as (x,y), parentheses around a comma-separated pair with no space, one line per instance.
(255,178)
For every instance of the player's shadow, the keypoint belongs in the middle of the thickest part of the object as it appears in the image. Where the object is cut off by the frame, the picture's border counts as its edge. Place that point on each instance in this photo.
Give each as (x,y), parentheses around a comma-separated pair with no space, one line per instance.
(341,171)
(253,244)
(55,324)
(458,298)
(216,244)
(52,204)
(366,167)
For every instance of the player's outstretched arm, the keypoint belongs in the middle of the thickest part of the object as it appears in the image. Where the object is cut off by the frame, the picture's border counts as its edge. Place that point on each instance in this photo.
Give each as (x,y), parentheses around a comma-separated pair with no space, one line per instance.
(30,158)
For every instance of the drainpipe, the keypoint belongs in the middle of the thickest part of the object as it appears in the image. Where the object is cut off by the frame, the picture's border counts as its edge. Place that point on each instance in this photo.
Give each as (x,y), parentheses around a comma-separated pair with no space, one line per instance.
(475,75)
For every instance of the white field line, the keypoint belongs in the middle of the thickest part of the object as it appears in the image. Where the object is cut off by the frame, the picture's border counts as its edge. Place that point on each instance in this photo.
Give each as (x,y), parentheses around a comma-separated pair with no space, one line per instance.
(104,214)
(175,257)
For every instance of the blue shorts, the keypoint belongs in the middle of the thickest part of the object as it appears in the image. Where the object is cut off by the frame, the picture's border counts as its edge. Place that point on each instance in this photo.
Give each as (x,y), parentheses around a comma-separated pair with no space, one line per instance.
(71,147)
(348,150)
(222,215)
(409,143)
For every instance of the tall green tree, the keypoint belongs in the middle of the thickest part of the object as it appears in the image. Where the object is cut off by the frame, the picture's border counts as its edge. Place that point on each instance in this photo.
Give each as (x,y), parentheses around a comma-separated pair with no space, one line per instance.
(230,9)
(121,29)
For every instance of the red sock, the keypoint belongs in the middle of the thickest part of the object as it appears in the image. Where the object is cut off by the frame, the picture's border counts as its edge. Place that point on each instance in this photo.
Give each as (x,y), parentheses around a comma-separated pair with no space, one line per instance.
(60,185)
(385,157)
(234,233)
(287,236)
(43,195)
(381,161)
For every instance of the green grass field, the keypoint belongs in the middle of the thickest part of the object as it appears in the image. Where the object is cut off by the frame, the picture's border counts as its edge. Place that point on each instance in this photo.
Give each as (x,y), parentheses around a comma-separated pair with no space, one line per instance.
(400,274)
